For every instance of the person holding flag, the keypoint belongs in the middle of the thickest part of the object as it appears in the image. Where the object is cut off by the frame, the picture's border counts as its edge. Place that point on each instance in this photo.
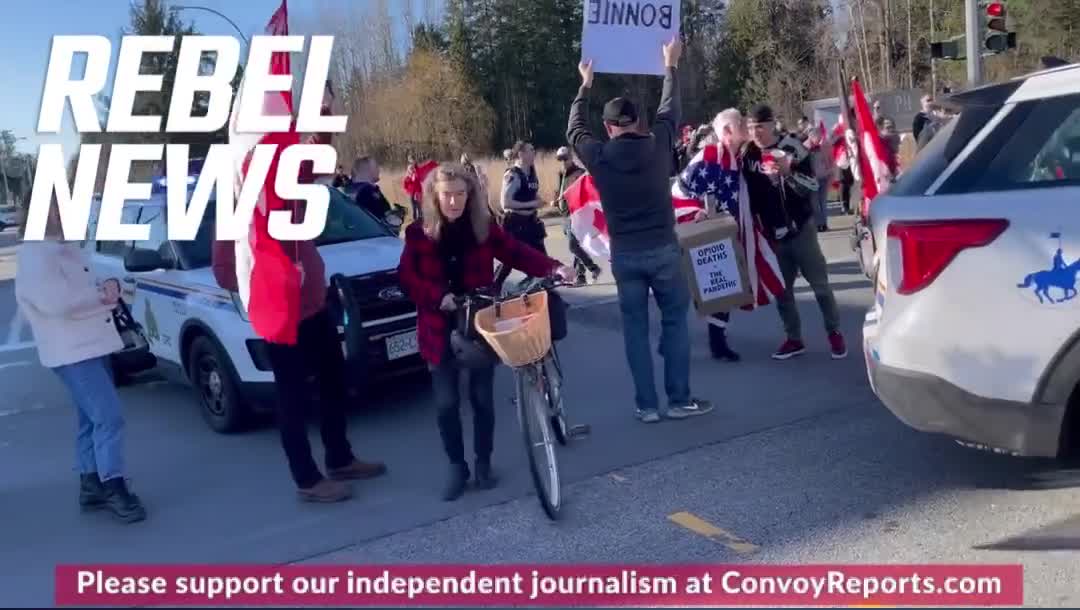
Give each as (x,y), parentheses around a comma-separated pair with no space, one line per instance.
(283,287)
(631,175)
(712,180)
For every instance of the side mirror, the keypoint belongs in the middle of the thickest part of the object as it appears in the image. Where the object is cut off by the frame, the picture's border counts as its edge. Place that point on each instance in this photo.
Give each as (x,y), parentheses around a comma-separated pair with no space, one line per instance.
(140,260)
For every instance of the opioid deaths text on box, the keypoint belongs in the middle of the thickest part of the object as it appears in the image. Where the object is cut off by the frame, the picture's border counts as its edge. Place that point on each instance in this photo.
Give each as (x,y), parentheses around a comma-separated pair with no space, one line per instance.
(539,585)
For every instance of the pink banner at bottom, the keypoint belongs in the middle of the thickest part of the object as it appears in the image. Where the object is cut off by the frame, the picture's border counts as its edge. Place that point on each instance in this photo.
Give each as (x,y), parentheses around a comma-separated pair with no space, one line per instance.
(539,585)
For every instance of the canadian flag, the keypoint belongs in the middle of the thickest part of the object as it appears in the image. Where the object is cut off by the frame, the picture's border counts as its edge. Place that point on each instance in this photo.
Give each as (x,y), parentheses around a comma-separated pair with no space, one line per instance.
(267,278)
(873,154)
(587,221)
(840,149)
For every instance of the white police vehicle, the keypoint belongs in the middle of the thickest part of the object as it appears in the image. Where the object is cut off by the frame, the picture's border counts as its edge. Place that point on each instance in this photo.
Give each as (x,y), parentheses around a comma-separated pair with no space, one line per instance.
(975,328)
(202,331)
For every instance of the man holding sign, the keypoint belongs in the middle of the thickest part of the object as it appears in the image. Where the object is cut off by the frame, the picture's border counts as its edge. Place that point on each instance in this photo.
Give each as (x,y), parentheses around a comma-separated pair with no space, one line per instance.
(631,172)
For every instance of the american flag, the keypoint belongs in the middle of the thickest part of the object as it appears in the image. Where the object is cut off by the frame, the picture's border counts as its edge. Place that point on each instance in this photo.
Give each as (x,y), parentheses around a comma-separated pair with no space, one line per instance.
(267,279)
(714,174)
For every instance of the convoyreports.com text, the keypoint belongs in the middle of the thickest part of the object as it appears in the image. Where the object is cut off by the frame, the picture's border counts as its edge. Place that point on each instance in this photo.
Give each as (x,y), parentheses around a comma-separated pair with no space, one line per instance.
(838,583)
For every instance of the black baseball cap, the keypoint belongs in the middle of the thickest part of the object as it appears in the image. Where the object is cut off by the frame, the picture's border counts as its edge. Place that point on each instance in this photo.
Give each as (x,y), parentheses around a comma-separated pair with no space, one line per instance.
(761,113)
(620,111)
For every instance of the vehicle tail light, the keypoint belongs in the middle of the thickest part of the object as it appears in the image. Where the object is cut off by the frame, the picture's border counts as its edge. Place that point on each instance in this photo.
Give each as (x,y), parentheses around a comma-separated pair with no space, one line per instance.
(927,247)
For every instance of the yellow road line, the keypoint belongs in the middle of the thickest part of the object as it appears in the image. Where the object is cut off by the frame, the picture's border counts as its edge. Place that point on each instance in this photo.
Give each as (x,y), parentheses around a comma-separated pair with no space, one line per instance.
(703,528)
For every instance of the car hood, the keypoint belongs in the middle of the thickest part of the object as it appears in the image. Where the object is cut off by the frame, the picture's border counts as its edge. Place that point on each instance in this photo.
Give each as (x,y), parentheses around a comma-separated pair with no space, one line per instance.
(349,258)
(364,256)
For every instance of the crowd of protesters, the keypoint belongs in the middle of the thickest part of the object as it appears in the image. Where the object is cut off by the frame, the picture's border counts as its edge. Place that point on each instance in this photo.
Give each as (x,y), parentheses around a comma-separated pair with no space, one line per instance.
(451,249)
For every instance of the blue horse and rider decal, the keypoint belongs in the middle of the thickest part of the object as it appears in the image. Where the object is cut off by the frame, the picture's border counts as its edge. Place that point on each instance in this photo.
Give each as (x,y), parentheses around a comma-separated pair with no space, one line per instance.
(1059,275)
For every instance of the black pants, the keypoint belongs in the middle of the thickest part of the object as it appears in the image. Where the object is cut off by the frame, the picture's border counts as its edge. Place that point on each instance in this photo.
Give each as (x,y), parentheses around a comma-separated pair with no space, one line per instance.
(529,230)
(582,261)
(417,209)
(446,383)
(317,353)
(847,180)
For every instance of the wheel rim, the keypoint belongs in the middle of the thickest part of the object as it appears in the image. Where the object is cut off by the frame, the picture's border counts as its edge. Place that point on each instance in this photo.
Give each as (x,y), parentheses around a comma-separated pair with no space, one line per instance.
(211,385)
(544,447)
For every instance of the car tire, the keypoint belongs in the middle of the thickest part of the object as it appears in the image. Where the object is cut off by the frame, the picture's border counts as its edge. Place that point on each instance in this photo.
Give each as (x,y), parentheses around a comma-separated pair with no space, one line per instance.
(211,374)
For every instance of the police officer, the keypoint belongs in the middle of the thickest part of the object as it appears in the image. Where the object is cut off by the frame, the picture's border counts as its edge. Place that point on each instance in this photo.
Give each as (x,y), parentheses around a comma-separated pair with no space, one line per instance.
(520,200)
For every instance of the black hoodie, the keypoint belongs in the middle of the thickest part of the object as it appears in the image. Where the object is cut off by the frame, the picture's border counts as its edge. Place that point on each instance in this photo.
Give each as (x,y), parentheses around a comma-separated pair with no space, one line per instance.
(632,173)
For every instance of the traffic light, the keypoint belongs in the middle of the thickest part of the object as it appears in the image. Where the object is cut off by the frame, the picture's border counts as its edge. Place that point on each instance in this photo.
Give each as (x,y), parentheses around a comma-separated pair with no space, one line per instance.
(998,38)
(953,48)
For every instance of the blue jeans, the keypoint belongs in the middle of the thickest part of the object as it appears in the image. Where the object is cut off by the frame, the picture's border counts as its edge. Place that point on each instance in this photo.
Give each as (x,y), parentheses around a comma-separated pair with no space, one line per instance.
(660,270)
(99,441)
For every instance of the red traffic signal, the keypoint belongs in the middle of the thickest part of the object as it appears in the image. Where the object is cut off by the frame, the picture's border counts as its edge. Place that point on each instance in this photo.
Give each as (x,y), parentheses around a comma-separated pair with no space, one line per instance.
(995,16)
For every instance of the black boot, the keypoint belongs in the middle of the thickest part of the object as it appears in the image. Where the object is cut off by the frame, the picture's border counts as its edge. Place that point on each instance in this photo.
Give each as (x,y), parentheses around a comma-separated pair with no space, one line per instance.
(91,492)
(124,505)
(459,478)
(485,478)
(719,346)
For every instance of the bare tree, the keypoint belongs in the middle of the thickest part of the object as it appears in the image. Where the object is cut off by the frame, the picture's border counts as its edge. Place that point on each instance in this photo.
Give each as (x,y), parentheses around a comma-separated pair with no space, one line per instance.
(910,50)
(866,44)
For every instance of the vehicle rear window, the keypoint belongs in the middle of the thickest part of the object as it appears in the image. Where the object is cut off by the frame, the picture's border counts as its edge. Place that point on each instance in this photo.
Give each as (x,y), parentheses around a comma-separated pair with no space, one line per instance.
(926,167)
(345,222)
(1037,146)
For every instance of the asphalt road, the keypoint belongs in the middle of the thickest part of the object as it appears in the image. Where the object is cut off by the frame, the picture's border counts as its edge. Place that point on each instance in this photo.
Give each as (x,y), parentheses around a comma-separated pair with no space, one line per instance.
(799,463)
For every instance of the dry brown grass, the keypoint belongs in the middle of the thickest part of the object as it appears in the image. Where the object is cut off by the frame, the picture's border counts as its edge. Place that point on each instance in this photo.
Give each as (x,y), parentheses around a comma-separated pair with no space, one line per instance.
(547,169)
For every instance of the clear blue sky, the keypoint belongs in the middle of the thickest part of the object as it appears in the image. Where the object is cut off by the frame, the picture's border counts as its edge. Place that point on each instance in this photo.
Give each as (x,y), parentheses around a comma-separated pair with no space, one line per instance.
(27,28)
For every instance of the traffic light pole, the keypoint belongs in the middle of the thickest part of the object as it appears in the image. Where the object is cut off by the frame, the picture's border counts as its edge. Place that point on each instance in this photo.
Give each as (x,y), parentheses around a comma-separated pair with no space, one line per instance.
(973,41)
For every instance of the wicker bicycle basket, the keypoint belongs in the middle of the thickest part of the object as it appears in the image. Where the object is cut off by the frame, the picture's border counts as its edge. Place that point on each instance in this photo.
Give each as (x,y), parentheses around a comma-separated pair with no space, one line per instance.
(519,330)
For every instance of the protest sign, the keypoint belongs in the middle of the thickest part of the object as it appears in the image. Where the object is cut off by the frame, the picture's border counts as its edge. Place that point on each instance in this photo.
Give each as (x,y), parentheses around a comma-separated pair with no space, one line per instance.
(715,265)
(626,36)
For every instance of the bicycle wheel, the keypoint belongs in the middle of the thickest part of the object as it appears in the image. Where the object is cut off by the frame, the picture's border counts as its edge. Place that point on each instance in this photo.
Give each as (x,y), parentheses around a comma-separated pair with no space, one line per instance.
(557,417)
(533,412)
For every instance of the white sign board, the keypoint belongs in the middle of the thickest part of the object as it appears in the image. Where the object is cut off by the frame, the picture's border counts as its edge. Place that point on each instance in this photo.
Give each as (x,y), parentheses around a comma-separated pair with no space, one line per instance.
(717,270)
(628,36)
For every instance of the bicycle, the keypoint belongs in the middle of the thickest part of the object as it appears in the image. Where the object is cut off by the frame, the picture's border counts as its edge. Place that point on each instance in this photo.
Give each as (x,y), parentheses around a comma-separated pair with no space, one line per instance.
(528,350)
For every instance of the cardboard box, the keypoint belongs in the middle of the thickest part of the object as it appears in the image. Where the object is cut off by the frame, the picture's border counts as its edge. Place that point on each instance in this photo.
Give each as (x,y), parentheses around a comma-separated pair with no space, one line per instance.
(715,264)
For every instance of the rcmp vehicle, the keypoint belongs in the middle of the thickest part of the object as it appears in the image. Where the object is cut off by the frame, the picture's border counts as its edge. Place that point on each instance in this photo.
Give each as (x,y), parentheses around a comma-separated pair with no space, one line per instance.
(974,332)
(202,331)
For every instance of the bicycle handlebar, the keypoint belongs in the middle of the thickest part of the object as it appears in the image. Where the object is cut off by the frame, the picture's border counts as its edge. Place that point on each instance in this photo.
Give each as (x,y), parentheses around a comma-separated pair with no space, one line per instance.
(537,285)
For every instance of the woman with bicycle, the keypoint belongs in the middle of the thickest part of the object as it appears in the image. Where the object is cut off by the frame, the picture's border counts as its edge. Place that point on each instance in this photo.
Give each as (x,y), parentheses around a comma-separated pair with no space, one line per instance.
(449,255)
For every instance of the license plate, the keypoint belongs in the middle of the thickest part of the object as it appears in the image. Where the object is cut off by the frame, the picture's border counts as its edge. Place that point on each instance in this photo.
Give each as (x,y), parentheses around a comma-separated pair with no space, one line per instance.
(400,346)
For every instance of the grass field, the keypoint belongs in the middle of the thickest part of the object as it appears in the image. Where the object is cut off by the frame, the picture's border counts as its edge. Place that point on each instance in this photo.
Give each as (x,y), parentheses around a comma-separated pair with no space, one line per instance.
(547,169)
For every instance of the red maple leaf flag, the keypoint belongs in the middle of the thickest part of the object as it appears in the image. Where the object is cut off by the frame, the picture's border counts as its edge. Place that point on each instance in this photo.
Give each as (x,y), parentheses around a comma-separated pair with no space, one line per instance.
(267,278)
(587,221)
(873,154)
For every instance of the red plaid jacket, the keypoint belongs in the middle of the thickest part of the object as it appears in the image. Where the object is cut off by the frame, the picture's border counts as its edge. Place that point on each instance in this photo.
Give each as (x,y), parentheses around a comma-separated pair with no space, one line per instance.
(423,278)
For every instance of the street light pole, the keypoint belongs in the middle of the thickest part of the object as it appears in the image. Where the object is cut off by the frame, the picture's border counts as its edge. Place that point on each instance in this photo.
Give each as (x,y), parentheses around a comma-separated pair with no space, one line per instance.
(219,14)
(974,35)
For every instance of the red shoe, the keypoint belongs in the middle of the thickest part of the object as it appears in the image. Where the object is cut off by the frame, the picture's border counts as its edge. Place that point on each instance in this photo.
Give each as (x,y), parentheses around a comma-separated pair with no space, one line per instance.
(789,349)
(837,346)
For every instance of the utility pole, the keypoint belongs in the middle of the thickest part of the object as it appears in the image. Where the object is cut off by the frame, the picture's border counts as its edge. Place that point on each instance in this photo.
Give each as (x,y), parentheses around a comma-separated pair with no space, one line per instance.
(973,39)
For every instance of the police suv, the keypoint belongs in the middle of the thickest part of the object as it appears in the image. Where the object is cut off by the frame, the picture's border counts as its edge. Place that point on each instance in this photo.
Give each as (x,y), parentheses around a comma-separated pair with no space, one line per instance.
(975,327)
(202,331)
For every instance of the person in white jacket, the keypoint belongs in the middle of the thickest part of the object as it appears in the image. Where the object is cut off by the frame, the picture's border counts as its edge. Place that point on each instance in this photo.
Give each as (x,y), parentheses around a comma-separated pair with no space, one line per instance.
(71,317)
